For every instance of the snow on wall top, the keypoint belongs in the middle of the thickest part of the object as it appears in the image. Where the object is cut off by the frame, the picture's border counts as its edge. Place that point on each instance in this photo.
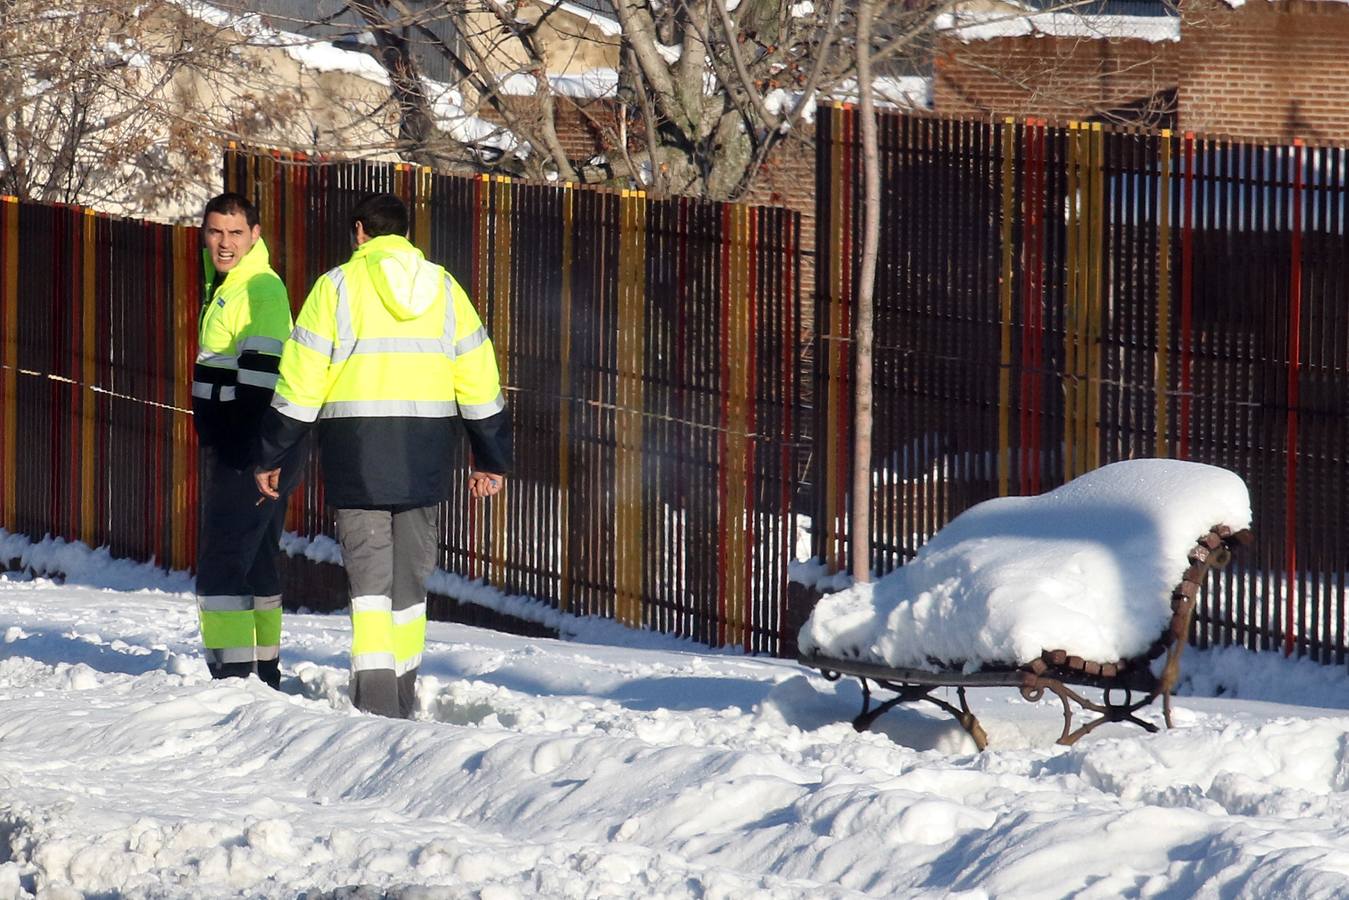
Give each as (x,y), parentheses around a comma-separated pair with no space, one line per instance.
(607,25)
(1088,568)
(988,26)
(319,55)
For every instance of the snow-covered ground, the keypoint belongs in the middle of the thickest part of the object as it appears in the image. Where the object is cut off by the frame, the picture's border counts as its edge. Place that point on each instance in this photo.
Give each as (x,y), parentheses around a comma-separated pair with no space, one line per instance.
(565,769)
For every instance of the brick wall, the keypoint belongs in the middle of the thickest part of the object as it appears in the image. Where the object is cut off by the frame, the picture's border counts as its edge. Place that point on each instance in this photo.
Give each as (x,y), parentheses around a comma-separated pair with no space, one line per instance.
(1267,70)
(788,179)
(580,125)
(1051,77)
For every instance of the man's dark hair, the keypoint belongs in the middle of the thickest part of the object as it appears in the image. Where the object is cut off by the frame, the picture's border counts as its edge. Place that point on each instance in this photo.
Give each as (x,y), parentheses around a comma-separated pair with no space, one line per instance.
(231,204)
(380,214)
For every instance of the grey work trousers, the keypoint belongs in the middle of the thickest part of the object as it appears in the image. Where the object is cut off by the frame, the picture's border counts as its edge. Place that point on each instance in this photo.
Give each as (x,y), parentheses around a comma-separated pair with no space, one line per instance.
(388,554)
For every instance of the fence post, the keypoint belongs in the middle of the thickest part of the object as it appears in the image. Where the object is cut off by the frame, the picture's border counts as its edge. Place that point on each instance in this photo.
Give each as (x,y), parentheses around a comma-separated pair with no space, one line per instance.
(1163,357)
(9,314)
(1009,145)
(1294,358)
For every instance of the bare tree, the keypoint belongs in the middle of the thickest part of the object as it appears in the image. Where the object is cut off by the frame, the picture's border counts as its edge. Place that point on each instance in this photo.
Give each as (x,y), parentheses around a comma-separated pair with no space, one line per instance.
(706,91)
(131,99)
(107,102)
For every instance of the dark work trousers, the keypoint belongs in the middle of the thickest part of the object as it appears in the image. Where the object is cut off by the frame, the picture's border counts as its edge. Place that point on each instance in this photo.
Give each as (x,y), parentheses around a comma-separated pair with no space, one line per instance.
(388,554)
(238,583)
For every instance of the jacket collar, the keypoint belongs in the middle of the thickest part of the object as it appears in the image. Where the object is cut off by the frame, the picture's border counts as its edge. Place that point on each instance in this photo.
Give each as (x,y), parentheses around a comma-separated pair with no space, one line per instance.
(385,243)
(257,259)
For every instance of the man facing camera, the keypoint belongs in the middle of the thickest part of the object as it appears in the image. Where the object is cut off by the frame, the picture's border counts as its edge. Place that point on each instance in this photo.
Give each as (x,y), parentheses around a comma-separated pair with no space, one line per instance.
(243,324)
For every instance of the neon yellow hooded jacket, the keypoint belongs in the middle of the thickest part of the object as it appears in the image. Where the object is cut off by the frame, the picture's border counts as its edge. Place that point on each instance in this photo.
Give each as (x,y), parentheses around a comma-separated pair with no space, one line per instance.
(243,325)
(391,361)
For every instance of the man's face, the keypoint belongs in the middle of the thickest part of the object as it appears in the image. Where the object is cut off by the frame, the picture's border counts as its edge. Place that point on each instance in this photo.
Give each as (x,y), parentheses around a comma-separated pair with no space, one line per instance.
(228,237)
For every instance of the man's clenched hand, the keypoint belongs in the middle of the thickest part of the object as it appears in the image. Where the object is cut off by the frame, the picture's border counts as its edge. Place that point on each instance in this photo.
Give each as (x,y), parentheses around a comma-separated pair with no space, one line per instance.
(482,484)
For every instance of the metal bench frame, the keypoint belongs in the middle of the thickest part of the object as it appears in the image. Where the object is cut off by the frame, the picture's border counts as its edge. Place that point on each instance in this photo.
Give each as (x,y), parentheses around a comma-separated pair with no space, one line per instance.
(1054,671)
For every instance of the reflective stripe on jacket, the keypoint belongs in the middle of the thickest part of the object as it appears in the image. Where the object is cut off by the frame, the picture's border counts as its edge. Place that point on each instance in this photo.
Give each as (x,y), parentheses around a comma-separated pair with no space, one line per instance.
(240,333)
(388,357)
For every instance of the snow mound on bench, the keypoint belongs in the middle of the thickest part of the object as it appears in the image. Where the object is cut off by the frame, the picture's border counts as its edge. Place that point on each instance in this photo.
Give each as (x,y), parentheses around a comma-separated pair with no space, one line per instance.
(1088,568)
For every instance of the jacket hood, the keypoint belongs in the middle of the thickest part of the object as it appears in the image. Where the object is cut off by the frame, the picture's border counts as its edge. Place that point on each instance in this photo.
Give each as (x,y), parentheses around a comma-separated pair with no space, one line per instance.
(406,283)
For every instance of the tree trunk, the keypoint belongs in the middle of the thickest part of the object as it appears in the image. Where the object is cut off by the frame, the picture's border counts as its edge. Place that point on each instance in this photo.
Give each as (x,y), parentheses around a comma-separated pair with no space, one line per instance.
(414,110)
(866,293)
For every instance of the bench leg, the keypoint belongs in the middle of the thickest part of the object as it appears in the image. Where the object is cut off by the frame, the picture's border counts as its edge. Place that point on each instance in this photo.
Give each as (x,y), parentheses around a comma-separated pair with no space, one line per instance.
(964,716)
(864,720)
(1033,690)
(904,693)
(908,693)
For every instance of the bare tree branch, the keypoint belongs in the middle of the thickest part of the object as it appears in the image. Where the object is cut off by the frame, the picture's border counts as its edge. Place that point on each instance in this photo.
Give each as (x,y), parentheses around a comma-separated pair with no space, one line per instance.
(769,120)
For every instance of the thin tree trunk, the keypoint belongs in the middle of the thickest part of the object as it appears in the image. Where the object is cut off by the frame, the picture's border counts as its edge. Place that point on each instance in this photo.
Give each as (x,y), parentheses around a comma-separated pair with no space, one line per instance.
(866,292)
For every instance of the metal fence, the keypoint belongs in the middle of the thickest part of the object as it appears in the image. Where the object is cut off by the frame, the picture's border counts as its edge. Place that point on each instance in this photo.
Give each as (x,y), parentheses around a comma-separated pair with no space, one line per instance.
(648,349)
(97,339)
(1051,299)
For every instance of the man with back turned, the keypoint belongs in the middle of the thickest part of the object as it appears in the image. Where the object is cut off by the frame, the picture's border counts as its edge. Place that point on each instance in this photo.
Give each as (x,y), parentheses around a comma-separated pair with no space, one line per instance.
(390,360)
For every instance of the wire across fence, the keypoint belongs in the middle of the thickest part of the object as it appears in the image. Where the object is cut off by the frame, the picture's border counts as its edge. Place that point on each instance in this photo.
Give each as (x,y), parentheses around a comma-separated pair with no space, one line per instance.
(96,364)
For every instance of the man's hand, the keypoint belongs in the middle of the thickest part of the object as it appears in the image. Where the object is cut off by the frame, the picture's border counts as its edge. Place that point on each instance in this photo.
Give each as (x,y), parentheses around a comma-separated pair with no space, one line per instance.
(267,484)
(480,484)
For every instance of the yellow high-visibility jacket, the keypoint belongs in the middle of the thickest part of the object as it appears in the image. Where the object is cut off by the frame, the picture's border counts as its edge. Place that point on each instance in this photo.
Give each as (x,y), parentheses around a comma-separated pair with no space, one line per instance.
(391,361)
(243,325)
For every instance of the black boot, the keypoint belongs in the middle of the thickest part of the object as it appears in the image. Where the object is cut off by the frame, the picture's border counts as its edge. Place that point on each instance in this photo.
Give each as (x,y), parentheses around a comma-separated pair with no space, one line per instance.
(230,670)
(270,673)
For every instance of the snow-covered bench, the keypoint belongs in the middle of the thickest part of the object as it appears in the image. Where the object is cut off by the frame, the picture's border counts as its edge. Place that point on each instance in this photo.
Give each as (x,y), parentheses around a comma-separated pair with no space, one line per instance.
(1089,585)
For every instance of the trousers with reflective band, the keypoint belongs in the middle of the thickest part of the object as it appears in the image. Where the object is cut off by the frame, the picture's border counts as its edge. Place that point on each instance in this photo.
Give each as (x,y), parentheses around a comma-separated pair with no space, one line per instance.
(238,583)
(388,554)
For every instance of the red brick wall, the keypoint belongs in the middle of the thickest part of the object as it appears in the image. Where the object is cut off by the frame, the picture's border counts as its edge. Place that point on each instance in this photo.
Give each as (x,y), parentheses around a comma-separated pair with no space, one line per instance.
(580,128)
(788,179)
(1046,77)
(1270,71)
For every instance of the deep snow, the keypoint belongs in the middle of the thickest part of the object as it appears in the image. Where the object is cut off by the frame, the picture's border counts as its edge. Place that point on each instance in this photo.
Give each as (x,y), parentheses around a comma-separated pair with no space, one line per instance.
(565,769)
